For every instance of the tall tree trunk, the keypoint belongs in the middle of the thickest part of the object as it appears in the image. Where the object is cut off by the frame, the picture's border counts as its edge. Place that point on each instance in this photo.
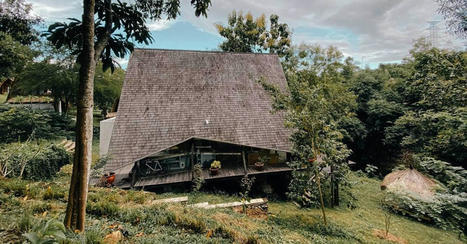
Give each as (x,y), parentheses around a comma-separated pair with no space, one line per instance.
(76,208)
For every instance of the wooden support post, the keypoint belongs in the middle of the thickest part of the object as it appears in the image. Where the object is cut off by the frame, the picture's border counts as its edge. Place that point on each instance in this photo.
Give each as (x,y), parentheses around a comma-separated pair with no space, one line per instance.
(244,161)
(192,154)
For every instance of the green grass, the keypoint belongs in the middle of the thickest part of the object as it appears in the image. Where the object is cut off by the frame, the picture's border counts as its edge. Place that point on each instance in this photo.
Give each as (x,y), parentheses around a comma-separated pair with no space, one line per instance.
(285,223)
(3,98)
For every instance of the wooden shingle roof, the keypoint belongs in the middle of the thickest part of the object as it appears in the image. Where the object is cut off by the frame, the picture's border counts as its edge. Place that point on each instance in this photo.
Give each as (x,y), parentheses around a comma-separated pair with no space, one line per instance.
(171,95)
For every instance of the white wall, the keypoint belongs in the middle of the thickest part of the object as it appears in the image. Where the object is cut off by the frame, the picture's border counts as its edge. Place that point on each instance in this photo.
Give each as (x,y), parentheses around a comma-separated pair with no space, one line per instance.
(34,106)
(106,127)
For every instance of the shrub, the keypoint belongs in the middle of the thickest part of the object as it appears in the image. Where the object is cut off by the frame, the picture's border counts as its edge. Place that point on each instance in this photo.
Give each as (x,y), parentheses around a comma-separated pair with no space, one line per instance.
(93,235)
(102,208)
(14,187)
(454,178)
(34,161)
(447,211)
(371,170)
(8,202)
(136,196)
(40,207)
(198,179)
(50,231)
(25,223)
(98,167)
(53,193)
(18,124)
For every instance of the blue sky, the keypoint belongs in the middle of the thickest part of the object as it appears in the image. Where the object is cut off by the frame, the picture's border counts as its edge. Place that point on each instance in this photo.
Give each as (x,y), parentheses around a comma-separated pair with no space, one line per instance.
(370,31)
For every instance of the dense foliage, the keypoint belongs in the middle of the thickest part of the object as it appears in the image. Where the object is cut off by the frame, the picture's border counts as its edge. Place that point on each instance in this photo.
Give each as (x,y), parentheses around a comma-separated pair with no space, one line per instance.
(452,177)
(419,106)
(245,34)
(19,124)
(16,34)
(32,160)
(319,100)
(118,25)
(107,88)
(17,21)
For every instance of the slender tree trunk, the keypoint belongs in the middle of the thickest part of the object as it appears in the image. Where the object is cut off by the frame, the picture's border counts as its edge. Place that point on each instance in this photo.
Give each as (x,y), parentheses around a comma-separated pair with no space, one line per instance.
(318,180)
(76,208)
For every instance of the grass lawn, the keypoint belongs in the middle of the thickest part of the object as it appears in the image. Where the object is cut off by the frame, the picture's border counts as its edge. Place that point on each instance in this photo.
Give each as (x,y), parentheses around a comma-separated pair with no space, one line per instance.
(146,223)
(3,98)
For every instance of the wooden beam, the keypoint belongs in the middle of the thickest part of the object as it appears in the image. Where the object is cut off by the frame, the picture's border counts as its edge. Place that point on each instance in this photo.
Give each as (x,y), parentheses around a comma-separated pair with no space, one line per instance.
(252,202)
(244,161)
(183,199)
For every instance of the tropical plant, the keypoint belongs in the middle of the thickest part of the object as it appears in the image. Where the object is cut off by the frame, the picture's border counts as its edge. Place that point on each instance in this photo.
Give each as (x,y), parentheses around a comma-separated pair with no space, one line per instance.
(216,164)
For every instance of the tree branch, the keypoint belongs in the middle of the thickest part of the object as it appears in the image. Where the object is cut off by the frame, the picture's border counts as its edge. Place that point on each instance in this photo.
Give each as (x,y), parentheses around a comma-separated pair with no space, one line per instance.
(102,40)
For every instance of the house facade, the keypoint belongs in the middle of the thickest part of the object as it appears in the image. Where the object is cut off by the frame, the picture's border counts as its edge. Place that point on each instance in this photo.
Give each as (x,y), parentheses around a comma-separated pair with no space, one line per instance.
(181,108)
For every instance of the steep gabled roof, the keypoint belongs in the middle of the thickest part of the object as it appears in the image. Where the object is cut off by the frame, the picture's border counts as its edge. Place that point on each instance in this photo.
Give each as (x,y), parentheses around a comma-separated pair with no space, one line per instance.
(171,95)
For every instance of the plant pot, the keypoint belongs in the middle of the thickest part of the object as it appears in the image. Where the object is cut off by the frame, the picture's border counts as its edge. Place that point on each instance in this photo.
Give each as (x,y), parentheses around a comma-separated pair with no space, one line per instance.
(214,171)
(259,166)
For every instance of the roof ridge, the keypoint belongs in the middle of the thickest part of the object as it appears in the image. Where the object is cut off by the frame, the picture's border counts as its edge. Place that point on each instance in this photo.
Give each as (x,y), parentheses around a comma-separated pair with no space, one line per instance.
(202,51)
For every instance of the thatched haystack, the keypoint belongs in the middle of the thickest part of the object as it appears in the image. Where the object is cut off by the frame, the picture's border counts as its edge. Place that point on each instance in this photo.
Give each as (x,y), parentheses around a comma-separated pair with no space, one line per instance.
(410,182)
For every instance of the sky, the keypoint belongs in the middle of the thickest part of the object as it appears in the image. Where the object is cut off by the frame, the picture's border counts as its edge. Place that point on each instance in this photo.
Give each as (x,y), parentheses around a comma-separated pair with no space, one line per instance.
(370,31)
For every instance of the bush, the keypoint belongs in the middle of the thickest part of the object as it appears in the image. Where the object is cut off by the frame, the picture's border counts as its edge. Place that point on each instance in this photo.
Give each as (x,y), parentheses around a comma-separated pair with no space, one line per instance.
(198,179)
(454,178)
(25,223)
(102,208)
(53,193)
(447,211)
(40,207)
(50,231)
(32,160)
(18,124)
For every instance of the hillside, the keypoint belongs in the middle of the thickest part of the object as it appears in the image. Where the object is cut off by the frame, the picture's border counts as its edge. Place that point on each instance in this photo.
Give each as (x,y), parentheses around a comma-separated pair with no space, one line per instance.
(23,204)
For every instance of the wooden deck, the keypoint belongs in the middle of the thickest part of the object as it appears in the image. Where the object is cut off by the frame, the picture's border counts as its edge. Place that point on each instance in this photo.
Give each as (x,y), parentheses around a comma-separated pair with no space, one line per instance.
(172,178)
(186,176)
(269,169)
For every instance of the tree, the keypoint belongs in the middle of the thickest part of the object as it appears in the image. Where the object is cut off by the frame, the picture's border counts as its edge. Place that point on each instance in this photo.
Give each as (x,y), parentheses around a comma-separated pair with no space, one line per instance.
(13,56)
(435,123)
(318,101)
(42,76)
(107,88)
(16,20)
(244,34)
(110,34)
(16,33)
(455,14)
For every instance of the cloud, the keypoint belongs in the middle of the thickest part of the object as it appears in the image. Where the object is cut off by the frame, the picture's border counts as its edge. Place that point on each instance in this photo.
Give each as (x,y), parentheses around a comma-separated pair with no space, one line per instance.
(375,30)
(378,31)
(160,25)
(57,10)
(122,61)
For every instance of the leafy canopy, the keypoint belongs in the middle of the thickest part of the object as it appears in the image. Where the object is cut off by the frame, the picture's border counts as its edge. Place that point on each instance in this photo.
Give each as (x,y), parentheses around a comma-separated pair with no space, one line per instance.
(17,21)
(245,34)
(118,26)
(318,100)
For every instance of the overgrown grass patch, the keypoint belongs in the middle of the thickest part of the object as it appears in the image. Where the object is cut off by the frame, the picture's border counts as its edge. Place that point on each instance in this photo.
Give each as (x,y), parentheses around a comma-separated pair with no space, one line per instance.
(144,222)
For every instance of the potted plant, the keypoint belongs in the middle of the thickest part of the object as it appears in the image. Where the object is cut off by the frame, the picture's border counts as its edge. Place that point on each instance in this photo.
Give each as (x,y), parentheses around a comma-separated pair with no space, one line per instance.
(259,165)
(215,166)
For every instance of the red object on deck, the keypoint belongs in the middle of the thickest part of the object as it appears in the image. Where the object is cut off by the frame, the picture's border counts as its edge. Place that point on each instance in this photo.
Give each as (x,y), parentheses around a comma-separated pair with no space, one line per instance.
(111,178)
